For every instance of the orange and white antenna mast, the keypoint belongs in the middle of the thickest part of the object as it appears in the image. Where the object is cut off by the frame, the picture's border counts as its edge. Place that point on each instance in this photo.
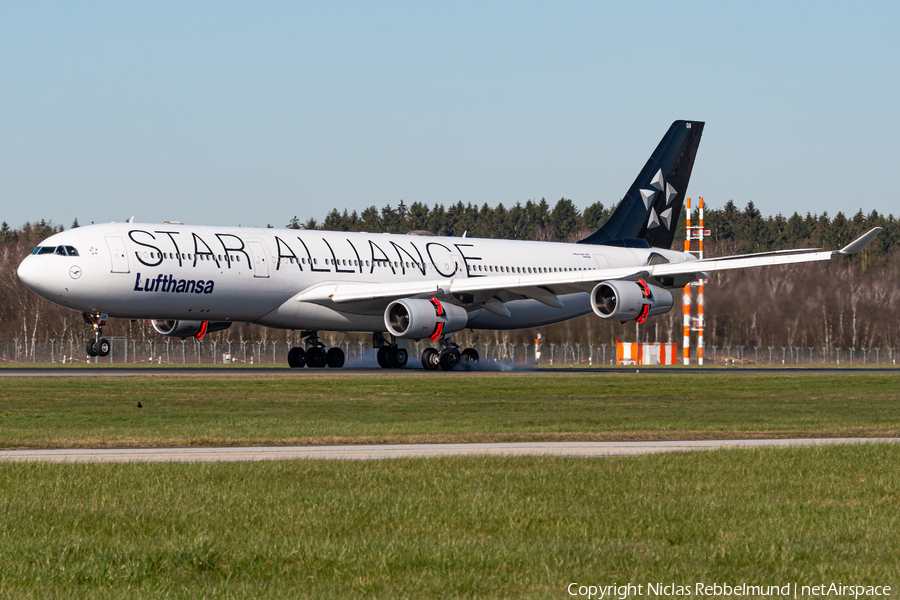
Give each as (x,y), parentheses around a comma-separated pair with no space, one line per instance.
(693,324)
(686,296)
(700,291)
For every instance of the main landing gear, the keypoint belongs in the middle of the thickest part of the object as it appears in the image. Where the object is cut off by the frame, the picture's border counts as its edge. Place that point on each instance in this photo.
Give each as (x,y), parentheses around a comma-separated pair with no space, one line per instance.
(449,356)
(99,346)
(390,355)
(314,354)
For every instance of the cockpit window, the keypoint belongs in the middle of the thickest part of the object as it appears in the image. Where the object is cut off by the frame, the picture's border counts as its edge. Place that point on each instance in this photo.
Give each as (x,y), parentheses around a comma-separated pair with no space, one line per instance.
(35,251)
(46,249)
(61,250)
(72,251)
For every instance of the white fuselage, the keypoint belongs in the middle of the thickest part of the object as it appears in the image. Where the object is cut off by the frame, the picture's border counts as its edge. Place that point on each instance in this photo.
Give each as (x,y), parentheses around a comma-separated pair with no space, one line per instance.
(174,271)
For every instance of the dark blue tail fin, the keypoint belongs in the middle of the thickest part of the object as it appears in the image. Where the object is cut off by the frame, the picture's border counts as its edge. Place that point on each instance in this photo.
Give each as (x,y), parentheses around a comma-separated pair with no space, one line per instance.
(650,210)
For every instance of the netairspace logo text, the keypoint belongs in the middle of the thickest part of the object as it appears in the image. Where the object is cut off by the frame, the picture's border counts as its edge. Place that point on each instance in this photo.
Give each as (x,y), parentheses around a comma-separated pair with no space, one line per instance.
(717,590)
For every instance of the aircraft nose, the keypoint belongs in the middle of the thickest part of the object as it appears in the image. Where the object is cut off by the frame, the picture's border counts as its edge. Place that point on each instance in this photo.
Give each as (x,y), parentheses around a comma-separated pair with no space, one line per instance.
(29,273)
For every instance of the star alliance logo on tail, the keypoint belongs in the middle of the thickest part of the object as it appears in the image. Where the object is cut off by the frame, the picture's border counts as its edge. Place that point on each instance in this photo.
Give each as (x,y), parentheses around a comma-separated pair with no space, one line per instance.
(648,196)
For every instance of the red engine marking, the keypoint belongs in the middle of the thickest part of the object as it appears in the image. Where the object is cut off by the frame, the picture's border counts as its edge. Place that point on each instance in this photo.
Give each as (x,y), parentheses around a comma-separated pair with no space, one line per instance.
(199,335)
(645,289)
(644,313)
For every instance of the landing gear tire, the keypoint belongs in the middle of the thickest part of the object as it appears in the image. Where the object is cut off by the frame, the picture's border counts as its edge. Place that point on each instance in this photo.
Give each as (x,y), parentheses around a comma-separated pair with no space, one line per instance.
(335,358)
(91,348)
(316,358)
(296,358)
(449,358)
(469,356)
(397,358)
(102,347)
(383,357)
(431,359)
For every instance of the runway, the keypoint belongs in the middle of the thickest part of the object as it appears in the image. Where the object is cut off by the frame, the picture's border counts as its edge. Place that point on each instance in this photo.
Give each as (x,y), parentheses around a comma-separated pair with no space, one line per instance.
(233,371)
(393,451)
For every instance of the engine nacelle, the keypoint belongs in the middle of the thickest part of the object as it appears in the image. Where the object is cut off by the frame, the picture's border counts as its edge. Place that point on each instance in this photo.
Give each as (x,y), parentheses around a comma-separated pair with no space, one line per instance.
(183,329)
(630,300)
(418,319)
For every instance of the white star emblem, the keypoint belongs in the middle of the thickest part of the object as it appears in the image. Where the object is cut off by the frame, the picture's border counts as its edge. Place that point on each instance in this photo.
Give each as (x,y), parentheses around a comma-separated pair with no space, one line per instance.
(666,218)
(659,183)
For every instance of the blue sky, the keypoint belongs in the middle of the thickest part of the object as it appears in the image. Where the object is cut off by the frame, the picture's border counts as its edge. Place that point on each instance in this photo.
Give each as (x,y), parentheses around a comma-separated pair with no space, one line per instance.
(250,113)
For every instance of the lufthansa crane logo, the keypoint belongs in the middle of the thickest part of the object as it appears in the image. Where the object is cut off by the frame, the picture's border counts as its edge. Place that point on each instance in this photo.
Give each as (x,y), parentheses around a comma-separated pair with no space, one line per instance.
(648,196)
(75,272)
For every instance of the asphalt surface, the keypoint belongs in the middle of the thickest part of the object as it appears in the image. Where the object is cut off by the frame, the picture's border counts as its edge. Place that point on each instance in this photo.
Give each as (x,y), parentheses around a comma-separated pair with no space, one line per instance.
(389,451)
(219,370)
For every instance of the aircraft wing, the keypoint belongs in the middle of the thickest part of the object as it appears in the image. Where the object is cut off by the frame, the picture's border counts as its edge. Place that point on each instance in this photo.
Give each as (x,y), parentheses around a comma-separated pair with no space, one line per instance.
(545,287)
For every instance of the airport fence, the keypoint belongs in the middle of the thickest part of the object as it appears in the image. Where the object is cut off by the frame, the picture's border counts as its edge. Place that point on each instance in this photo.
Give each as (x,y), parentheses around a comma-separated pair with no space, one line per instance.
(193,351)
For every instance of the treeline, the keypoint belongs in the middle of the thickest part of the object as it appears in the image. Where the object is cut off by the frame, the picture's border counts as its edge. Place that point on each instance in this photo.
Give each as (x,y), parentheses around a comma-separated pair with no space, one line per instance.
(847,302)
(531,221)
(731,228)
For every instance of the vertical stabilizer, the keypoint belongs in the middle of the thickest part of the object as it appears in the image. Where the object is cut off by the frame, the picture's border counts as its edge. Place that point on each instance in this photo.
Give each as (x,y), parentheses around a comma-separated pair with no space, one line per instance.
(651,208)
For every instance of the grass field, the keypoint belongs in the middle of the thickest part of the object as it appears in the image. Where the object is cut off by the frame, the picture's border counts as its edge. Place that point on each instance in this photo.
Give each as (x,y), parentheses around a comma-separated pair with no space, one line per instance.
(438,407)
(453,527)
(461,527)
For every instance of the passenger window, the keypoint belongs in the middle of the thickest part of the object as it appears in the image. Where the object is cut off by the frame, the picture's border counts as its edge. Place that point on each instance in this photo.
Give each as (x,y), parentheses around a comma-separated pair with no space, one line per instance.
(237,258)
(315,262)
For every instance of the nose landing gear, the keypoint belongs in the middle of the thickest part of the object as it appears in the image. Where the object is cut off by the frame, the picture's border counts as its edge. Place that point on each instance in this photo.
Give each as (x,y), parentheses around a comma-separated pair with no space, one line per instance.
(99,346)
(314,354)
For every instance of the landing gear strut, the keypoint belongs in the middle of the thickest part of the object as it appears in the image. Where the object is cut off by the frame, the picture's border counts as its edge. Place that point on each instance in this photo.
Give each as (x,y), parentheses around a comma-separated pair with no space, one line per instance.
(390,355)
(448,356)
(314,354)
(99,346)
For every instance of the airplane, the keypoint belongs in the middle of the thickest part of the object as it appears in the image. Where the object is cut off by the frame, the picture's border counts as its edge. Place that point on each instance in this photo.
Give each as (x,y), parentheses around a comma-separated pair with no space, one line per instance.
(193,280)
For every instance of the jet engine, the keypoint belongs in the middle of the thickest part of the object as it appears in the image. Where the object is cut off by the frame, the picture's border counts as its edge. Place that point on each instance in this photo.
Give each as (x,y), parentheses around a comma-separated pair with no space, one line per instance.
(183,329)
(630,300)
(418,319)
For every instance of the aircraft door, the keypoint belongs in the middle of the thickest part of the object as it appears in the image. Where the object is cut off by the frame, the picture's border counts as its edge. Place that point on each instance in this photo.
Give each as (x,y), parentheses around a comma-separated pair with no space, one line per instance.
(260,266)
(601,261)
(117,254)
